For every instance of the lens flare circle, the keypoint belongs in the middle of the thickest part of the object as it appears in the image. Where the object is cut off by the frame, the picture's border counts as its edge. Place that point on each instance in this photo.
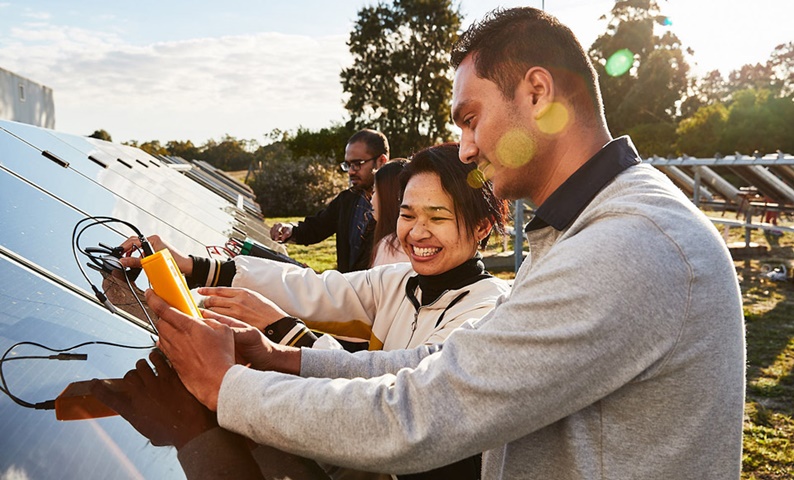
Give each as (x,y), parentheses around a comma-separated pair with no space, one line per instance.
(515,149)
(554,119)
(619,63)
(475,179)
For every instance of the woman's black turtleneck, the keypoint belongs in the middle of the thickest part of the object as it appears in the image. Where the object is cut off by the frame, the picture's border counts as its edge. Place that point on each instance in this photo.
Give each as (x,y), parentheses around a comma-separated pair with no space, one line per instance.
(433,286)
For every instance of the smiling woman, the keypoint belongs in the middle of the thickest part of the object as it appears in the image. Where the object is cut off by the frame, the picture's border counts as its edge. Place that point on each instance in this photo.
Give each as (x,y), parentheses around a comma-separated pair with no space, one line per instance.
(443,220)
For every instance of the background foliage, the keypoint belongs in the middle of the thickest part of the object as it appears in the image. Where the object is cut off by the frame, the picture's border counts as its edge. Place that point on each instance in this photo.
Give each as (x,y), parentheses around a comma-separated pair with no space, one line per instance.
(399,83)
(286,186)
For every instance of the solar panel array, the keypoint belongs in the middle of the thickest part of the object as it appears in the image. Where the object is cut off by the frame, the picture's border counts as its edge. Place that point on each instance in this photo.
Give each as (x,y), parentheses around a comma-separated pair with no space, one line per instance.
(771,176)
(49,181)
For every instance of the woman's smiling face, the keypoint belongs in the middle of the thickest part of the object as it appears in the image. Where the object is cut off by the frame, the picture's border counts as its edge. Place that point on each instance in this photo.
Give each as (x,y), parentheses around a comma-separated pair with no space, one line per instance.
(428,227)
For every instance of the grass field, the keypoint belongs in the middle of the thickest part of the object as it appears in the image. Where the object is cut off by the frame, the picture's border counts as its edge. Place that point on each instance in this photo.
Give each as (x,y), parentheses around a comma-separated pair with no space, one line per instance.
(769,319)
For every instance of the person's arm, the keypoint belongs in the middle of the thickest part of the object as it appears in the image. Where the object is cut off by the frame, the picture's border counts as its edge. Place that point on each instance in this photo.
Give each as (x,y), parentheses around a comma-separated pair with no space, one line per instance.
(489,385)
(156,403)
(132,244)
(341,304)
(316,228)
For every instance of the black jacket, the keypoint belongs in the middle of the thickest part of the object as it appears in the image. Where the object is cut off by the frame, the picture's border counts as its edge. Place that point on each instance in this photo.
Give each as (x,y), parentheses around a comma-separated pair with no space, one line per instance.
(336,218)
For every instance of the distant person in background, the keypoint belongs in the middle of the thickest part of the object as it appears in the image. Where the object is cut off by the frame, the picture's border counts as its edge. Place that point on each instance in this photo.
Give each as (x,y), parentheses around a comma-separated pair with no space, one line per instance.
(349,215)
(386,209)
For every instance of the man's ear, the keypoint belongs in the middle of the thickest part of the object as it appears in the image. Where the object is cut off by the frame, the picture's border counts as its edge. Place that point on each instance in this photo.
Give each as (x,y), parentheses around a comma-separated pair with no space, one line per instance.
(381,161)
(536,90)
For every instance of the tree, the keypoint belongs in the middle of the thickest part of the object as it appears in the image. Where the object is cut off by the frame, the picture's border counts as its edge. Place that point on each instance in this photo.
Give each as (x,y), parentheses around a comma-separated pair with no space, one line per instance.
(102,135)
(654,78)
(776,75)
(228,154)
(185,150)
(293,186)
(781,65)
(700,135)
(400,82)
(326,144)
(750,77)
(153,147)
(758,120)
(707,90)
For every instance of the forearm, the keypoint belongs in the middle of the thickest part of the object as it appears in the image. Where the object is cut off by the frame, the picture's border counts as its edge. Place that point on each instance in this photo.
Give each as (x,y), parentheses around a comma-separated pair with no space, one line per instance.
(302,293)
(342,364)
(380,432)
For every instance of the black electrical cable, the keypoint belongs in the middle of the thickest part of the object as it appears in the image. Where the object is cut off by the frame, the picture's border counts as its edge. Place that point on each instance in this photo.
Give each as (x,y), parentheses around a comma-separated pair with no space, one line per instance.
(60,355)
(140,303)
(101,262)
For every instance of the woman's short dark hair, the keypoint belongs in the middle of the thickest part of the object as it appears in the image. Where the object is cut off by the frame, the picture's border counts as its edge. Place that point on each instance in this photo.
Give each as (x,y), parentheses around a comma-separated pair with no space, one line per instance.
(507,43)
(472,195)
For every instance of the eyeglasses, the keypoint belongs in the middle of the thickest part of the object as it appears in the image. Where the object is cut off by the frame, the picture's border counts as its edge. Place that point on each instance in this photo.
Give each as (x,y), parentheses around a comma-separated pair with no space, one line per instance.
(354,165)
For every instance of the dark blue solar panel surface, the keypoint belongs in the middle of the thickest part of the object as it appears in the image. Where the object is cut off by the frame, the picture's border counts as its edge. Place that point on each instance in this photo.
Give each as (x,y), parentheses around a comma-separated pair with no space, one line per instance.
(44,297)
(33,444)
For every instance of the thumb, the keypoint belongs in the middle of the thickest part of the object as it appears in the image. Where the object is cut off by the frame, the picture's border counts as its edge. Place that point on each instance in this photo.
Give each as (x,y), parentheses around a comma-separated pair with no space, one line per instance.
(130,262)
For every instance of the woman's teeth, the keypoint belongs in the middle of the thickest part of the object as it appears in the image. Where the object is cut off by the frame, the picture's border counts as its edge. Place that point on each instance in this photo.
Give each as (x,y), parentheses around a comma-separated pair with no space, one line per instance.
(425,252)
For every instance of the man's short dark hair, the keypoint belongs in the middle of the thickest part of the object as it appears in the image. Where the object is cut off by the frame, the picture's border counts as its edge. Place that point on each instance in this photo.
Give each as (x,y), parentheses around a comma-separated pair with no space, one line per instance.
(377,144)
(507,43)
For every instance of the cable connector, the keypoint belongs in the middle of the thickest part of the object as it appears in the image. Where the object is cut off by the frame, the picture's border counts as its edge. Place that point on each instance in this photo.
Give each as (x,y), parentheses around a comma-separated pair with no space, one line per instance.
(69,356)
(48,405)
(145,246)
(104,300)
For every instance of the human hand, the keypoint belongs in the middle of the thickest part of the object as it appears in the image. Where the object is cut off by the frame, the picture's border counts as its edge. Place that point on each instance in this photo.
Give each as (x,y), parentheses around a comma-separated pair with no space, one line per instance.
(281,232)
(252,348)
(184,262)
(200,350)
(243,304)
(157,404)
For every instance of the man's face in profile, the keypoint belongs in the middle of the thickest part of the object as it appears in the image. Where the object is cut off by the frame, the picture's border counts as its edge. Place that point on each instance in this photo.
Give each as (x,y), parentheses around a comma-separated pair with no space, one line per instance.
(362,176)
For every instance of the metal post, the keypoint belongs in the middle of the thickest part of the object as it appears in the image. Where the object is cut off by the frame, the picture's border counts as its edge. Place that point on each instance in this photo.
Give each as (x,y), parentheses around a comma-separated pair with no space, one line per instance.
(748,219)
(696,195)
(518,242)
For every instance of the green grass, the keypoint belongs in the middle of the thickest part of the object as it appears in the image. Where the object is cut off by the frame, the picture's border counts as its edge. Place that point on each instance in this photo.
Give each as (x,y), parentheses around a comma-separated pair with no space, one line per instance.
(320,256)
(769,317)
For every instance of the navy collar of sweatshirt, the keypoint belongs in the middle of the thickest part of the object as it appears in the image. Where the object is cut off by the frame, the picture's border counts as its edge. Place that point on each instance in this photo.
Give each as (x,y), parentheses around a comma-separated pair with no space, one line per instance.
(567,202)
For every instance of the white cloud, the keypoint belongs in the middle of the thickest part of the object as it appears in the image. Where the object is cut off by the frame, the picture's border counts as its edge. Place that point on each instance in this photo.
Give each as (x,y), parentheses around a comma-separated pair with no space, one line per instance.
(192,89)
(28,13)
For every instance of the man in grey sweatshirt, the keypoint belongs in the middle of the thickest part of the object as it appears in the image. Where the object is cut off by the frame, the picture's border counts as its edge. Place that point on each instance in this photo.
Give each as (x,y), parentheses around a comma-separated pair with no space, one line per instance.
(618,354)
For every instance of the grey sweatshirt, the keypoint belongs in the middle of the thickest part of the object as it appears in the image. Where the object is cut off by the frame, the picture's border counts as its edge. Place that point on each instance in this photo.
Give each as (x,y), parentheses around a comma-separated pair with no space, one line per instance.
(619,354)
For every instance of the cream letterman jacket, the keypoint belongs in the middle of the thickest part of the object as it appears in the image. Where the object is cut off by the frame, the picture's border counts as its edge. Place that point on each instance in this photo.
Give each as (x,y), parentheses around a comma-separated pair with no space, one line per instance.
(369,304)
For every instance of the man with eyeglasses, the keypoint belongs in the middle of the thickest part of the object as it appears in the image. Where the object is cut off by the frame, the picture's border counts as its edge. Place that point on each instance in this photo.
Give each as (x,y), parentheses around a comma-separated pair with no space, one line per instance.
(349,215)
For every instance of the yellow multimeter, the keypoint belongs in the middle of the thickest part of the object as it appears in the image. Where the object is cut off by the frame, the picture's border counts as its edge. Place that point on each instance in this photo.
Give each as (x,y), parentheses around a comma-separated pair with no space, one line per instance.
(168,283)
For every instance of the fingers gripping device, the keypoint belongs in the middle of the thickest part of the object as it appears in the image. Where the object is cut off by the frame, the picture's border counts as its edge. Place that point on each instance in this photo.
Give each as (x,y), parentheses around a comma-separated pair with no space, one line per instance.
(168,283)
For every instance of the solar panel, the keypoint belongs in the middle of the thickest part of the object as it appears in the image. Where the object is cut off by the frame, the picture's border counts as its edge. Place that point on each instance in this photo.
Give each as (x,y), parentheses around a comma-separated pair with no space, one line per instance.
(50,181)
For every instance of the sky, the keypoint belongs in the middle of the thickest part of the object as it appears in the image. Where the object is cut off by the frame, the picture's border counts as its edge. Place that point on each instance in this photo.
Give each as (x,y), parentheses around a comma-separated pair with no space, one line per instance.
(198,70)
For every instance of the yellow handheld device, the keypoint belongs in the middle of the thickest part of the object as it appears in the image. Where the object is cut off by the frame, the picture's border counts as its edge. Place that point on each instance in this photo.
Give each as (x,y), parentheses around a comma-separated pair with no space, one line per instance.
(168,283)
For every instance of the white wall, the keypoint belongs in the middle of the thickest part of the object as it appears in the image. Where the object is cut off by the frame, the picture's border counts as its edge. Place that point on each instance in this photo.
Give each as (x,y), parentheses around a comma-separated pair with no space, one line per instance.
(25,101)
